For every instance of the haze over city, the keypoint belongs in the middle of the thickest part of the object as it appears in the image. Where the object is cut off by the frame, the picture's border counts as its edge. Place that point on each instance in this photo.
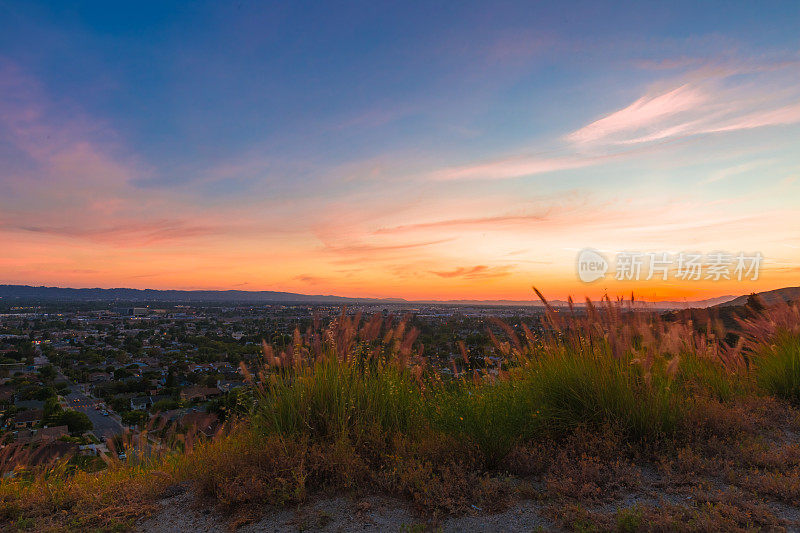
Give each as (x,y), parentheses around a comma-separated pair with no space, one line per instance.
(409,150)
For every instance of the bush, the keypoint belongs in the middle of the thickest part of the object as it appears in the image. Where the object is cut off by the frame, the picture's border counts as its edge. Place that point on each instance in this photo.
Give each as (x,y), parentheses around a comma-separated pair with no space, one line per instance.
(493,416)
(134,418)
(701,376)
(778,368)
(336,398)
(597,390)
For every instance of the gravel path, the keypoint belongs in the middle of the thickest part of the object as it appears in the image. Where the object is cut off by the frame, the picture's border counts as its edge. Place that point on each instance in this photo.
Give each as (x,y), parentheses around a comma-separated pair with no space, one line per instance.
(182,513)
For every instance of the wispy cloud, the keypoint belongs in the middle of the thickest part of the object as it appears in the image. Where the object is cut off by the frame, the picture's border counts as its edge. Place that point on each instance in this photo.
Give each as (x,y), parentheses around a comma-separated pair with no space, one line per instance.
(131,234)
(311,279)
(379,248)
(475,222)
(514,167)
(475,272)
(715,101)
(726,173)
(647,113)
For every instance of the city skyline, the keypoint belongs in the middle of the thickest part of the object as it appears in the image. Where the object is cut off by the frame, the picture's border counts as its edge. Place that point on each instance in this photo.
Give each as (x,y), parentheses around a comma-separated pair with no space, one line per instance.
(412,151)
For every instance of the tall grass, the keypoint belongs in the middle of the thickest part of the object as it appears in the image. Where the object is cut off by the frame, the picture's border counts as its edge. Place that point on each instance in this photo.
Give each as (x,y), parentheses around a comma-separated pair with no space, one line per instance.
(701,377)
(355,402)
(334,398)
(494,416)
(343,381)
(602,368)
(573,391)
(778,368)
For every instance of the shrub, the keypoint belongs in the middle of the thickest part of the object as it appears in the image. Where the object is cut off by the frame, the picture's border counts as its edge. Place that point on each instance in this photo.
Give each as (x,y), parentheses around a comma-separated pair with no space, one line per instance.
(778,368)
(701,376)
(336,398)
(494,416)
(596,390)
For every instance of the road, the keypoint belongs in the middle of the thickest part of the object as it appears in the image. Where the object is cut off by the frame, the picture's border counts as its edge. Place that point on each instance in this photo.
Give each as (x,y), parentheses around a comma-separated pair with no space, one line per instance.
(103,425)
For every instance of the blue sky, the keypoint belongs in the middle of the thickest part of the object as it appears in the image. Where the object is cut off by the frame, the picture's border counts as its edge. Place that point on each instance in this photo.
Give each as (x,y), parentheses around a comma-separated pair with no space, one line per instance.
(135,132)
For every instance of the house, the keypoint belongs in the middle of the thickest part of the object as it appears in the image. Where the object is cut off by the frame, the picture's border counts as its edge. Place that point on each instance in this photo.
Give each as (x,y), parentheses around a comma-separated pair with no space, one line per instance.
(53,433)
(141,403)
(30,436)
(99,377)
(26,436)
(93,449)
(171,416)
(29,404)
(199,393)
(28,419)
(225,385)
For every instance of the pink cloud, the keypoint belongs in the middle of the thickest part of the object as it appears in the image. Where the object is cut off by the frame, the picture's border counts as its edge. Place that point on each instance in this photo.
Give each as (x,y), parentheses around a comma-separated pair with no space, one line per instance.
(646,112)
(713,102)
(512,168)
(475,272)
(789,114)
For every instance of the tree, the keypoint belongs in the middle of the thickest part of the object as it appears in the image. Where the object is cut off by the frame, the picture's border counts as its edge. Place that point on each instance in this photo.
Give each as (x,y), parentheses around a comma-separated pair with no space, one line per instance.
(121,373)
(47,373)
(76,421)
(170,382)
(135,418)
(165,405)
(52,410)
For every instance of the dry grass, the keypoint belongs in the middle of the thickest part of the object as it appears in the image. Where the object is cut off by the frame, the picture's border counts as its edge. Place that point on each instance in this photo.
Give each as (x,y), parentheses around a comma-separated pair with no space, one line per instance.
(601,405)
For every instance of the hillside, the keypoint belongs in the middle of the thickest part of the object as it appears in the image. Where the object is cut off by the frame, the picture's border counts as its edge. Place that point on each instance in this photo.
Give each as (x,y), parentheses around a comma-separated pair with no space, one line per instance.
(786,294)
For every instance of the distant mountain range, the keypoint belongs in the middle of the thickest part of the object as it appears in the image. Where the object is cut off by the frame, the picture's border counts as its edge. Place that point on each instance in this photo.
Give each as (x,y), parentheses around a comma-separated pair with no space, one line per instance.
(28,293)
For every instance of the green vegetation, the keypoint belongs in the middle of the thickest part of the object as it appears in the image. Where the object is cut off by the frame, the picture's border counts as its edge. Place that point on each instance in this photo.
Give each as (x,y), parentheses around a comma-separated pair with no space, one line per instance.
(355,406)
(778,368)
(340,398)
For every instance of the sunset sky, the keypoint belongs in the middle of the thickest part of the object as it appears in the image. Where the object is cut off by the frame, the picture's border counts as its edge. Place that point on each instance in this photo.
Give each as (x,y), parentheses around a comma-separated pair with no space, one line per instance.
(396,149)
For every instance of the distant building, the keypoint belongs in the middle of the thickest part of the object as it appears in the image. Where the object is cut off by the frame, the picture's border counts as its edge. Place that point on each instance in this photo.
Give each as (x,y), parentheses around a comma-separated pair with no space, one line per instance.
(53,433)
(29,404)
(226,385)
(141,403)
(31,436)
(134,311)
(199,393)
(28,419)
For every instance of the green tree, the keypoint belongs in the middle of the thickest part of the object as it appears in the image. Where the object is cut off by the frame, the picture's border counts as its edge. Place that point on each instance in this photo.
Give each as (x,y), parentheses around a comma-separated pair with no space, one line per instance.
(76,421)
(121,373)
(47,373)
(51,409)
(135,418)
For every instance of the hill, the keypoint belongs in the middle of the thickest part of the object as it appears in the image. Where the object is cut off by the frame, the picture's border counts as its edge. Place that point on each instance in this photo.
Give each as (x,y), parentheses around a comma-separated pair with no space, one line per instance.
(786,294)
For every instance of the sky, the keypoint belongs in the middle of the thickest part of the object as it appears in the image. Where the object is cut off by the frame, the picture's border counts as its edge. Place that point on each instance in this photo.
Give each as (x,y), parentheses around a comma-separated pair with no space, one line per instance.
(431,150)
